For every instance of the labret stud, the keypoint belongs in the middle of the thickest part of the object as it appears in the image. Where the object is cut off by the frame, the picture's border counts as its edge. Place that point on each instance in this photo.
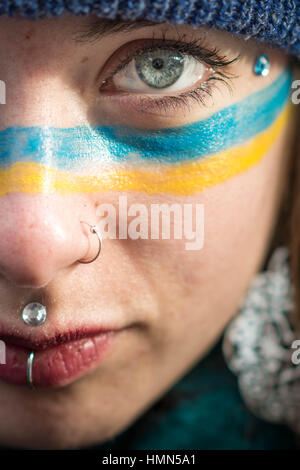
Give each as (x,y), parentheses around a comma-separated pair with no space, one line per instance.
(262,65)
(34,314)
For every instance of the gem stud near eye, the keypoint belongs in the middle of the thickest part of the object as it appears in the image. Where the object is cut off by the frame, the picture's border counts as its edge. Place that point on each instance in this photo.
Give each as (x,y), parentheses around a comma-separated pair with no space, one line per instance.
(262,65)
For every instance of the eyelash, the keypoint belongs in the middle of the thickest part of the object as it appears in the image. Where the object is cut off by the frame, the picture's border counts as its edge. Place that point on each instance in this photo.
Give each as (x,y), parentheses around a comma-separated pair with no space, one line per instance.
(194,48)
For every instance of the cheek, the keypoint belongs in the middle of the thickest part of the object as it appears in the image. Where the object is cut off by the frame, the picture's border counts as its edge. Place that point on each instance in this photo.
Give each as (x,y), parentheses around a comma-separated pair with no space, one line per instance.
(199,291)
(238,220)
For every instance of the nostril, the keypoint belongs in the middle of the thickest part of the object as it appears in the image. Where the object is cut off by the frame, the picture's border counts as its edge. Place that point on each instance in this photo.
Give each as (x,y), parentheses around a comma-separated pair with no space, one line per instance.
(26,279)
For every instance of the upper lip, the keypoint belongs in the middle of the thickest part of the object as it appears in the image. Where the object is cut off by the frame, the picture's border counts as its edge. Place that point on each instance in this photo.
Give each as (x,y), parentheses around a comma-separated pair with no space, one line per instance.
(43,342)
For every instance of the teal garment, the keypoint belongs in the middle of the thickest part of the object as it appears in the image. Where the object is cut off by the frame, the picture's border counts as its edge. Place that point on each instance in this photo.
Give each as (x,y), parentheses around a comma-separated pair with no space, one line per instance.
(207,413)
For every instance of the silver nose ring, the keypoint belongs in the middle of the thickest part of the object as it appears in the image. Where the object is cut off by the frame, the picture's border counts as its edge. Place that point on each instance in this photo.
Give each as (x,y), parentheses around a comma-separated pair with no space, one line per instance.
(34,313)
(93,229)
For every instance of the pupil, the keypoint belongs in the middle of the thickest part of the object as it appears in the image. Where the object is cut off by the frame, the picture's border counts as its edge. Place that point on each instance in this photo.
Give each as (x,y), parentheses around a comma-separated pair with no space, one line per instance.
(158,63)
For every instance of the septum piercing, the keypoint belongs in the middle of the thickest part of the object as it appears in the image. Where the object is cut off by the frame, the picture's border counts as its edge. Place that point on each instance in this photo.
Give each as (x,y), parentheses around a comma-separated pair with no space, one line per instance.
(29,370)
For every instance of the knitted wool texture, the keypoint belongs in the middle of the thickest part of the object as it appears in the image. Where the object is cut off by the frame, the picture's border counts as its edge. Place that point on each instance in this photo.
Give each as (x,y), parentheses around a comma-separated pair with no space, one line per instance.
(276,22)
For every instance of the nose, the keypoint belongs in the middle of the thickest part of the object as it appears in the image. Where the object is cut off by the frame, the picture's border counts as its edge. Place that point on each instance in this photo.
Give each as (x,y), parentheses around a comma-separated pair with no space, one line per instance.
(40,235)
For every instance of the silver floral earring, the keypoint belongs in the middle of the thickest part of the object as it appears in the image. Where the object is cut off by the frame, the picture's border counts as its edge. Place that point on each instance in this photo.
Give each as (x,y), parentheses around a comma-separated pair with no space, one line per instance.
(258,346)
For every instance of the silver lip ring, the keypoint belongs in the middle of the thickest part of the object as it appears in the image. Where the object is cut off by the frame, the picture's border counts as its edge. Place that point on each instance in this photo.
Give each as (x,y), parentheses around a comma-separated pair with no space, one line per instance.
(29,370)
(93,229)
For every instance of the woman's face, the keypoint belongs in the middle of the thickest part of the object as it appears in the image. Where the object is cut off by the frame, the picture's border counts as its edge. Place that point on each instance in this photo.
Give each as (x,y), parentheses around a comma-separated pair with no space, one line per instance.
(85,126)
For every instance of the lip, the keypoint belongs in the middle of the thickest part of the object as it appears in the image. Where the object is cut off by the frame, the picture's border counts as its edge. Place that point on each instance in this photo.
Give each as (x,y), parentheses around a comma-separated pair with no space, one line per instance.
(58,360)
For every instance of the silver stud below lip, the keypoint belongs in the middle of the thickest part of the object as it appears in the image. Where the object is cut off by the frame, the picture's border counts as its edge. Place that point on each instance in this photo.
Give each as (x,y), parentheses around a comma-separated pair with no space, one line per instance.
(34,314)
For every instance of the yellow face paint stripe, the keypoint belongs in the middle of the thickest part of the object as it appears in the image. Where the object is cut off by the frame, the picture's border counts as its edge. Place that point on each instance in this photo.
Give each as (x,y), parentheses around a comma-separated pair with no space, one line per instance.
(179,179)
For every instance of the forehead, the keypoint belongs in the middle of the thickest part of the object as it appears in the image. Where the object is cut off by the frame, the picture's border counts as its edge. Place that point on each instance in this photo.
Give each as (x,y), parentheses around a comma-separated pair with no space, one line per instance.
(85,29)
(91,29)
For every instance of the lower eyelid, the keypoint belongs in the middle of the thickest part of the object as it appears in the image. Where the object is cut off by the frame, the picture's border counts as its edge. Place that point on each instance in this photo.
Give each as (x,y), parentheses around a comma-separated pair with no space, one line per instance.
(134,105)
(163,105)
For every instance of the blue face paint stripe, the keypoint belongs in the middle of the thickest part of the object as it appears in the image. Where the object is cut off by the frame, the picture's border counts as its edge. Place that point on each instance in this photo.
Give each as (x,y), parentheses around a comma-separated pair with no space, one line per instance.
(71,148)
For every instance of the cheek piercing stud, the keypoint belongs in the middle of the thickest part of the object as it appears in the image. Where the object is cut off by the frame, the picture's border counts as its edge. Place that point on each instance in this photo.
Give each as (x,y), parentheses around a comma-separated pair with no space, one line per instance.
(262,65)
(29,370)
(34,314)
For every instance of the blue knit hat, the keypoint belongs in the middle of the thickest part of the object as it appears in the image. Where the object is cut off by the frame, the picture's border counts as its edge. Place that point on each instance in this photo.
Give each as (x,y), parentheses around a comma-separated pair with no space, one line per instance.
(274,21)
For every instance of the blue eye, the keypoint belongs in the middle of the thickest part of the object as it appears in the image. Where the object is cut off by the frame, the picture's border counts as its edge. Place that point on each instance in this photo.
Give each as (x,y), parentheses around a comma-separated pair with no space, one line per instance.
(167,74)
(161,70)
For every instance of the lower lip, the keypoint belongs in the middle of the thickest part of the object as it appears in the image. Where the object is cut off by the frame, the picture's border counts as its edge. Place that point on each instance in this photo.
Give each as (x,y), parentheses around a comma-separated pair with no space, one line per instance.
(59,365)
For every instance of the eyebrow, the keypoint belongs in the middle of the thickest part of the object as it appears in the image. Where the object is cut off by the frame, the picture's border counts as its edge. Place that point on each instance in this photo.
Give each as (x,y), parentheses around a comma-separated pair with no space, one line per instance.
(98,28)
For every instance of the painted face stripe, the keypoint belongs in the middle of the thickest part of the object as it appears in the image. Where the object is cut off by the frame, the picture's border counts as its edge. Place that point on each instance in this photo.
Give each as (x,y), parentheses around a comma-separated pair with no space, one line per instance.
(71,149)
(182,179)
